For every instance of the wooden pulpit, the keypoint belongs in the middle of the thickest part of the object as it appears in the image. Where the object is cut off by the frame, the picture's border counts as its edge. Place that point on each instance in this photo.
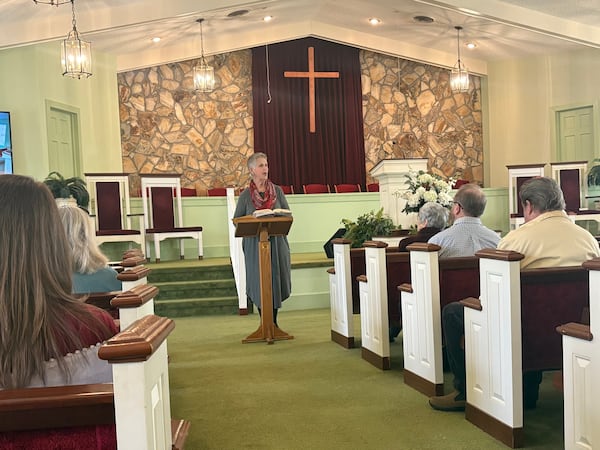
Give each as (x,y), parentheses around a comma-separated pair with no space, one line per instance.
(264,227)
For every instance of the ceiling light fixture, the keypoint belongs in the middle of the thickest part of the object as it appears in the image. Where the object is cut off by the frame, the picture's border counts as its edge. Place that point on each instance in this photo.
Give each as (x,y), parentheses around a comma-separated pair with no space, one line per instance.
(374,21)
(267,18)
(76,54)
(204,75)
(459,77)
(52,2)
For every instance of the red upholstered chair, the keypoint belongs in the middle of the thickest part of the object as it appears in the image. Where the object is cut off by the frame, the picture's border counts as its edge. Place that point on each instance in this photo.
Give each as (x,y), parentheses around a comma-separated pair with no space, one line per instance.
(163,213)
(316,188)
(342,188)
(188,192)
(287,189)
(217,192)
(373,187)
(460,183)
(109,203)
(570,176)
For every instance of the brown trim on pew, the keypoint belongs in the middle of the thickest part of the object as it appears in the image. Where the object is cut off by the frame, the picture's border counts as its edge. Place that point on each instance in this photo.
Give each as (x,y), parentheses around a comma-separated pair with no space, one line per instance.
(374,244)
(423,247)
(380,362)
(576,330)
(56,407)
(135,297)
(341,241)
(362,278)
(405,287)
(134,274)
(472,302)
(592,264)
(138,341)
(502,255)
(513,437)
(344,341)
(422,385)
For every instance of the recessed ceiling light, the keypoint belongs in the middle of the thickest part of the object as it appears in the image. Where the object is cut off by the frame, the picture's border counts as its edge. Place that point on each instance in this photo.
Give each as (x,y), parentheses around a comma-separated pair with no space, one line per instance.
(374,21)
(471,45)
(423,19)
(155,39)
(268,18)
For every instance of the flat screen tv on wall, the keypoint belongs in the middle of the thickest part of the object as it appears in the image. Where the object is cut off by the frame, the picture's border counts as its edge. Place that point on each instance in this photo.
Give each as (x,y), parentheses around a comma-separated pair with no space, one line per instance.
(6,158)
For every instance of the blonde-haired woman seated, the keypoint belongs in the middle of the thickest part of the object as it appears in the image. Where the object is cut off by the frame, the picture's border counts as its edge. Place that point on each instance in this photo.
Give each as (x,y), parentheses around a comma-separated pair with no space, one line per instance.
(91,272)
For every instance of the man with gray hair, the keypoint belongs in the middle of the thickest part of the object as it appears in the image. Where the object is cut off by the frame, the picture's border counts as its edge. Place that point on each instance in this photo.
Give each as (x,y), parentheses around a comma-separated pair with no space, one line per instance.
(547,239)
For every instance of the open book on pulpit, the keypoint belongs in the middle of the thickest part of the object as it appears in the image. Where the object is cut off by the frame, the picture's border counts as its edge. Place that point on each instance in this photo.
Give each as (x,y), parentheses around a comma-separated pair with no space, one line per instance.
(271,212)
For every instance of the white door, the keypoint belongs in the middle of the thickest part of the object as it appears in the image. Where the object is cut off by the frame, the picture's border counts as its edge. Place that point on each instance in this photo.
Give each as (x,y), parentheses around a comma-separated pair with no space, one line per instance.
(63,142)
(576,134)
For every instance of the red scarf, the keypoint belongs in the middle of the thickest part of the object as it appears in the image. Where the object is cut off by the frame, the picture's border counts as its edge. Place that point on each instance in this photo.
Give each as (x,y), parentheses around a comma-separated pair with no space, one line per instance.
(265,201)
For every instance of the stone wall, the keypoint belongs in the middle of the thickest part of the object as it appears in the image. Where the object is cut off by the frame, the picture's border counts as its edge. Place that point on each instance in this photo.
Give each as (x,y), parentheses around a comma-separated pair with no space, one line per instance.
(408,109)
(410,112)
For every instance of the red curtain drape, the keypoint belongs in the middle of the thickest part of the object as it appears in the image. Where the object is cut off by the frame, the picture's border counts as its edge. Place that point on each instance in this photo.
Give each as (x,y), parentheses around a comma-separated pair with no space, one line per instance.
(335,153)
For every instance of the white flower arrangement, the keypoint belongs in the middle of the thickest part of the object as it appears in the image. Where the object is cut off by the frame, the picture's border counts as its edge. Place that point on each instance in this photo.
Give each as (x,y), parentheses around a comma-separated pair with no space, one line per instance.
(425,187)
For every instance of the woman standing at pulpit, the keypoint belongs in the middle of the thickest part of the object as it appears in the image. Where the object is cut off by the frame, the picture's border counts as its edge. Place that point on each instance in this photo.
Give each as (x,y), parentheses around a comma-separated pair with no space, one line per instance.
(263,194)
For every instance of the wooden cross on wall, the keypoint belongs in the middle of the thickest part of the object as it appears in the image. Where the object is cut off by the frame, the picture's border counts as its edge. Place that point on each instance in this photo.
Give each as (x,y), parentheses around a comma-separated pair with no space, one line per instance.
(311,75)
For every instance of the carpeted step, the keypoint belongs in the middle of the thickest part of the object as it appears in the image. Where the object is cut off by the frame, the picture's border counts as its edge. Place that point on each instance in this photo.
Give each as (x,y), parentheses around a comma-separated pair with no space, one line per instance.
(196,289)
(219,272)
(197,307)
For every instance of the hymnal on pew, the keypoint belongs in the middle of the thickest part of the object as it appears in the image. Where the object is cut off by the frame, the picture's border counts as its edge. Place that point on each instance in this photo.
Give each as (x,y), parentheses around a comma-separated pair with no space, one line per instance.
(271,212)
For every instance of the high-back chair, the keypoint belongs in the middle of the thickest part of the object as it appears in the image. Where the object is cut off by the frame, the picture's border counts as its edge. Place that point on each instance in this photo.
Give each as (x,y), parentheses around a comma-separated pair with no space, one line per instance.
(517,175)
(163,213)
(110,208)
(571,178)
(316,188)
(345,187)
(373,187)
(287,188)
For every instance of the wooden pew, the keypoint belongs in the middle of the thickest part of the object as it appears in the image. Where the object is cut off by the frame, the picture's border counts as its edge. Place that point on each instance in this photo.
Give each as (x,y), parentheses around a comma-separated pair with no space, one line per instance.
(510,329)
(85,415)
(384,271)
(340,294)
(581,371)
(349,264)
(435,283)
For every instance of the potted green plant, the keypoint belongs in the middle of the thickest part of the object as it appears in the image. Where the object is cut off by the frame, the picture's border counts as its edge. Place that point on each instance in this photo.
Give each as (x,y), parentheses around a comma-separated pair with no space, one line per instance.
(366,226)
(73,187)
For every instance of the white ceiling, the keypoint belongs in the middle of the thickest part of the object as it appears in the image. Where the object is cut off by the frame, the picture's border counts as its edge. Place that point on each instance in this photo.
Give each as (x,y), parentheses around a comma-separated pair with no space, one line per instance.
(500,29)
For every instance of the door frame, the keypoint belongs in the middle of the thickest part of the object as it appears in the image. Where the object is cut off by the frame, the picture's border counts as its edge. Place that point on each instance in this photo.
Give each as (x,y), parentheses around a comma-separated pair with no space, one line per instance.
(74,113)
(555,112)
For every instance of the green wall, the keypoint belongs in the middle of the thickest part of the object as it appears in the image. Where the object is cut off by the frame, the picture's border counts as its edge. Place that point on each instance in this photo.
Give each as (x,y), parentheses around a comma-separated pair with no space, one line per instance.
(522,96)
(32,75)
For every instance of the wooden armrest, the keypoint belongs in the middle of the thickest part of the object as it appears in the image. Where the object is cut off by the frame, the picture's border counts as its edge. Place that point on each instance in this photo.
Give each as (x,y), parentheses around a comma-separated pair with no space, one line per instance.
(133,261)
(341,241)
(134,274)
(138,341)
(423,247)
(576,330)
(405,287)
(102,299)
(135,297)
(331,271)
(362,278)
(472,302)
(56,407)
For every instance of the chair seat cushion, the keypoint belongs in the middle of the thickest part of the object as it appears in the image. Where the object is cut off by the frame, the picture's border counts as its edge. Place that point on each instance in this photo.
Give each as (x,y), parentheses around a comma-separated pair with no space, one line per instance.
(173,230)
(116,232)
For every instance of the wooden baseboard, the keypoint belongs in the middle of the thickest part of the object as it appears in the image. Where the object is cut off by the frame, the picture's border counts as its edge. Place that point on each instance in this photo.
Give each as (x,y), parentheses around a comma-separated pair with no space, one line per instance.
(513,437)
(344,341)
(381,362)
(422,385)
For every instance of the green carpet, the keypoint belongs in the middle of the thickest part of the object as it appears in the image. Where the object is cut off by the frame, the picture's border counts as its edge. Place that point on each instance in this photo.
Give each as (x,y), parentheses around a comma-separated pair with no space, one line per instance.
(309,393)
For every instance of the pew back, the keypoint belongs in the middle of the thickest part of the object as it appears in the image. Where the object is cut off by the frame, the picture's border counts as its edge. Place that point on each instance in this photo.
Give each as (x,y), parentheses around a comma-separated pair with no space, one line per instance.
(510,329)
(435,283)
